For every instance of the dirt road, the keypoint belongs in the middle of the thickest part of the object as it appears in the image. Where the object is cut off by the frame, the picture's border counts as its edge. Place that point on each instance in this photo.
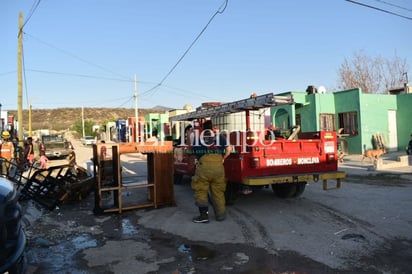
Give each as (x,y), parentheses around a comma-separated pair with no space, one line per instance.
(362,227)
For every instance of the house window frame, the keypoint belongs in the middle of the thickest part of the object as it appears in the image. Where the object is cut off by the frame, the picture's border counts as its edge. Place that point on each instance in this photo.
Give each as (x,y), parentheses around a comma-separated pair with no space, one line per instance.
(349,122)
(298,120)
(327,121)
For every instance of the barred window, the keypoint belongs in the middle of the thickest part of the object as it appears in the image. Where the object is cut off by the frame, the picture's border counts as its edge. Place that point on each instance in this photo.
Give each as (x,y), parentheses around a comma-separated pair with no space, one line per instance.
(349,122)
(327,121)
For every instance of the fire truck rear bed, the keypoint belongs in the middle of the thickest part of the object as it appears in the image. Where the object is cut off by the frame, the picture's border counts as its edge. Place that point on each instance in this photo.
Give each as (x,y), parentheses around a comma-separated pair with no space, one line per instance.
(312,157)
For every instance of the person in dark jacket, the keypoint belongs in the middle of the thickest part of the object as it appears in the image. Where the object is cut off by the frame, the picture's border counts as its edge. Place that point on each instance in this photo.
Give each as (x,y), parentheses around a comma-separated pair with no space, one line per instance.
(29,151)
(409,147)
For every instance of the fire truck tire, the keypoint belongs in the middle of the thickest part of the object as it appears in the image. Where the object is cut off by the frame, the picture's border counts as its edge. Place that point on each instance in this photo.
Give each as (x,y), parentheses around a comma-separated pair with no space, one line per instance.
(177,179)
(300,188)
(289,190)
(257,188)
(285,190)
(231,193)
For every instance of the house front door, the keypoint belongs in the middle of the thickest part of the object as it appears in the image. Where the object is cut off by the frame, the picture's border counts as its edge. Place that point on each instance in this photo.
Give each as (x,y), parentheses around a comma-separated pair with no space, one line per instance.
(392,131)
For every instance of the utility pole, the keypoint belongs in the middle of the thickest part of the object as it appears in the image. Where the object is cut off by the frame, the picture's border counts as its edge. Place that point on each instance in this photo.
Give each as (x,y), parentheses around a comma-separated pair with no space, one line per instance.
(30,129)
(83,122)
(20,80)
(136,112)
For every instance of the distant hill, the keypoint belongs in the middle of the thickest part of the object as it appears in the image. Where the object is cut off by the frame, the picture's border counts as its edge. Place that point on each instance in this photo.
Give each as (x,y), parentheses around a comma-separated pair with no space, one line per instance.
(64,118)
(162,108)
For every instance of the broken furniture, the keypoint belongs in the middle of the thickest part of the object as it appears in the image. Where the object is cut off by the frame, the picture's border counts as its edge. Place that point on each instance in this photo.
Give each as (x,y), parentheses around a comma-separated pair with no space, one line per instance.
(115,191)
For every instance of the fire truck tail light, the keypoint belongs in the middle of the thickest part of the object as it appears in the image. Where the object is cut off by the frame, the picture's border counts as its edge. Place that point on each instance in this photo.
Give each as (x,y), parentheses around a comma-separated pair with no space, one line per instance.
(331,157)
(250,138)
(254,162)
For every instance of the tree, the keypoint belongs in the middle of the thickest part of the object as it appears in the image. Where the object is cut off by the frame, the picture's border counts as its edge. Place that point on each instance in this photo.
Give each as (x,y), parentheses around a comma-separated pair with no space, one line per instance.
(372,74)
(88,128)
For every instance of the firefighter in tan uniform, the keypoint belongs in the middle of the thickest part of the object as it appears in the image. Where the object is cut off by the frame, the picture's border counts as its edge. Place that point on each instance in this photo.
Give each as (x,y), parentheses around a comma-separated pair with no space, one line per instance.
(6,152)
(211,150)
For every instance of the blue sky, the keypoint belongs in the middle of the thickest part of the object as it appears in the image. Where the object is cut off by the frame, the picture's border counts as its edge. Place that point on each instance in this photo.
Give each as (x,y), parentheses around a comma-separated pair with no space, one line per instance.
(85,53)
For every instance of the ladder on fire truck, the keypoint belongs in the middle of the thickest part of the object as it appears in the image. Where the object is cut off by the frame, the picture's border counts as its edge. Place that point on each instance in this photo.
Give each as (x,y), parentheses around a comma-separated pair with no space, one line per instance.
(252,103)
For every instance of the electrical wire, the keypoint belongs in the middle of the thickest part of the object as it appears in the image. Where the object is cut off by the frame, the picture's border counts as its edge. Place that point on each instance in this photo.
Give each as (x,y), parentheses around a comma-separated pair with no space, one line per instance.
(393,5)
(174,89)
(31,12)
(183,92)
(7,72)
(220,10)
(379,9)
(124,78)
(84,76)
(77,57)
(127,101)
(24,77)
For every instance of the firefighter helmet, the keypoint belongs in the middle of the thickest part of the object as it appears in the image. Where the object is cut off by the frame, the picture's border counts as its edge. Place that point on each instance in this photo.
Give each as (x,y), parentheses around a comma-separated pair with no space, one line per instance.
(5,134)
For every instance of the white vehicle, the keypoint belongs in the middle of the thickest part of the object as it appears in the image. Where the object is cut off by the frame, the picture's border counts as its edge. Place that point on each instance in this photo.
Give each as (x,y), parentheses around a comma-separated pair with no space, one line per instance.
(88,140)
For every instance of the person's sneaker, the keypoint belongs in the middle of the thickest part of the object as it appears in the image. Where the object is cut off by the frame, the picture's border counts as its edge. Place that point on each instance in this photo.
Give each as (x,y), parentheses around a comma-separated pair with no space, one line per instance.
(202,218)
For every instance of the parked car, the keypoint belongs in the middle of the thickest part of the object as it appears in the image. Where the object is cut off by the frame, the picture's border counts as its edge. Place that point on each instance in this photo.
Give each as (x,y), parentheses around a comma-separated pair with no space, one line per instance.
(88,140)
(12,237)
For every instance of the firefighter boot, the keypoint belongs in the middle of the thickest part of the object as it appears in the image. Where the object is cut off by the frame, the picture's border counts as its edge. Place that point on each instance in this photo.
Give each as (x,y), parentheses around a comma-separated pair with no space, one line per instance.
(203,217)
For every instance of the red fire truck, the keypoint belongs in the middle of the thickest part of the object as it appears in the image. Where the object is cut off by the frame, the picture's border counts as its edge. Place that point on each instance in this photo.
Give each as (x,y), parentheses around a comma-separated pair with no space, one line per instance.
(261,157)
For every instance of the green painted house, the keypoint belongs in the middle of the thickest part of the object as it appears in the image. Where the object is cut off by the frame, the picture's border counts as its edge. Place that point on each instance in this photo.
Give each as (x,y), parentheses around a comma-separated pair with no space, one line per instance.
(361,116)
(157,123)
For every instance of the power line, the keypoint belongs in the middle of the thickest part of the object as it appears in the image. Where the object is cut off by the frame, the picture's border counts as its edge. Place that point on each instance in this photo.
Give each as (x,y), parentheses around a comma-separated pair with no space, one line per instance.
(76,57)
(94,102)
(81,75)
(7,72)
(220,10)
(127,101)
(379,9)
(127,79)
(31,12)
(176,90)
(393,5)
(24,77)
(186,92)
